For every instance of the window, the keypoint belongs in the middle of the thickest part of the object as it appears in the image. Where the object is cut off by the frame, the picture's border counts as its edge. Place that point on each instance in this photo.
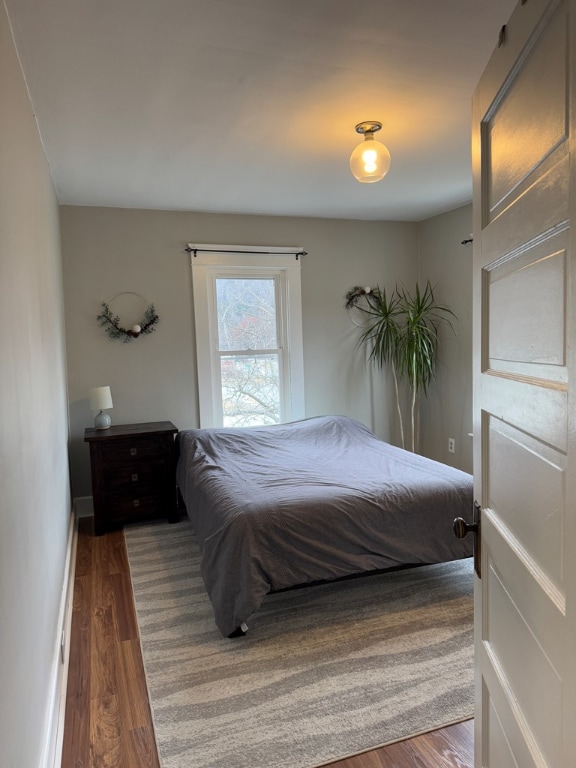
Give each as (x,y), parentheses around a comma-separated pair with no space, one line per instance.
(247,310)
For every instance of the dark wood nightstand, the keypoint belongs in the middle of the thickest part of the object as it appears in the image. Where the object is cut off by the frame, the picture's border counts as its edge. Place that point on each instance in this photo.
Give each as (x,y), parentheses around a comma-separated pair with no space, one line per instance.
(133,473)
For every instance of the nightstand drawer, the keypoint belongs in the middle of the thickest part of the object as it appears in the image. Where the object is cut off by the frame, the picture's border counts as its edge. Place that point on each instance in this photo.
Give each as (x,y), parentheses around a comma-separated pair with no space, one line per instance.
(134,475)
(124,506)
(129,451)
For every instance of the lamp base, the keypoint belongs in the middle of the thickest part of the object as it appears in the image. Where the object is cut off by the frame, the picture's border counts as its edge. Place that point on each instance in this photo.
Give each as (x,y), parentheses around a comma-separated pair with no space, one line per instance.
(102,420)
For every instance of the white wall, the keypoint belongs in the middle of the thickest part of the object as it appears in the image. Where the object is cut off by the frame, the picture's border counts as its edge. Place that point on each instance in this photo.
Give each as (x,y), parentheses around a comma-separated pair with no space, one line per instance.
(34,489)
(108,250)
(447,411)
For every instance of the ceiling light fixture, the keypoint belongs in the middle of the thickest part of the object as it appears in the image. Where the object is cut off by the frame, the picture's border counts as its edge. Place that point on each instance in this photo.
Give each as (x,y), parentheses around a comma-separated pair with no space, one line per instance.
(370,161)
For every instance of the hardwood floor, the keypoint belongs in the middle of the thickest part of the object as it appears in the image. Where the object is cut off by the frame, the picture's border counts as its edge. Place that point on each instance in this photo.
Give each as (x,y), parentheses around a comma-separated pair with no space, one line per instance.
(451,747)
(108,721)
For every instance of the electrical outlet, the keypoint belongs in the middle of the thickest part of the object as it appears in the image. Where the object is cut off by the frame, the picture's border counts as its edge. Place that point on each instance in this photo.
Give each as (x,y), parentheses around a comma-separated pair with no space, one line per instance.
(451,445)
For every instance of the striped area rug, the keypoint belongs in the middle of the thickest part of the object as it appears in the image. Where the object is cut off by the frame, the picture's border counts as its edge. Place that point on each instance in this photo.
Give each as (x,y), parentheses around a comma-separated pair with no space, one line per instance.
(324,672)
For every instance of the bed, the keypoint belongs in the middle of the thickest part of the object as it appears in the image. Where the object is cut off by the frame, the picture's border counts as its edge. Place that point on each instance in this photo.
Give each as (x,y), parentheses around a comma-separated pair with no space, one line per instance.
(318,499)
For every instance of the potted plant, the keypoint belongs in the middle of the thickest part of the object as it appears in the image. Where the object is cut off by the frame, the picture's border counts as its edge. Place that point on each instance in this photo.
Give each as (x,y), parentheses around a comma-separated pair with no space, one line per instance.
(401,331)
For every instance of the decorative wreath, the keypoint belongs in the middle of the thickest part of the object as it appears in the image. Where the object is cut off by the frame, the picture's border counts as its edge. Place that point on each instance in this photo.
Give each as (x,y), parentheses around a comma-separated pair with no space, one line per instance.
(355,294)
(111,324)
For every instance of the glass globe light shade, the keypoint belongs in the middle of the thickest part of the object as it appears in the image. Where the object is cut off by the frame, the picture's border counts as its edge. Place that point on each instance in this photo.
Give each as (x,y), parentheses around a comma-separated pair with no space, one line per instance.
(370,161)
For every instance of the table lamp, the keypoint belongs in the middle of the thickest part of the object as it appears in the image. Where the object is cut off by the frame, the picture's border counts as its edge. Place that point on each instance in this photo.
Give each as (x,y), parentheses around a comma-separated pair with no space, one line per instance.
(100,399)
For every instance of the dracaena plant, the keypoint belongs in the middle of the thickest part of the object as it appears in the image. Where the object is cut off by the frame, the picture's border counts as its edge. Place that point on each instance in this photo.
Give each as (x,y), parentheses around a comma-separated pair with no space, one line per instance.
(401,331)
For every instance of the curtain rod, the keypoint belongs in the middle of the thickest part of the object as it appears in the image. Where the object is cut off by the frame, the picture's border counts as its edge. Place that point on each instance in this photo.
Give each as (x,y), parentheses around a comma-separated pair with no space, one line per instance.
(196,251)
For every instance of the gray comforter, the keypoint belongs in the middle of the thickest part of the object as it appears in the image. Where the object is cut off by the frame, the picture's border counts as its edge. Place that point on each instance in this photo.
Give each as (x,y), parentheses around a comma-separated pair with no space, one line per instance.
(274,507)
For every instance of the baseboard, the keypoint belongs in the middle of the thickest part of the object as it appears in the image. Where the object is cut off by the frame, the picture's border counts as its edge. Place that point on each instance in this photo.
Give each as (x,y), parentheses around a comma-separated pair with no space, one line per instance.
(83,506)
(52,752)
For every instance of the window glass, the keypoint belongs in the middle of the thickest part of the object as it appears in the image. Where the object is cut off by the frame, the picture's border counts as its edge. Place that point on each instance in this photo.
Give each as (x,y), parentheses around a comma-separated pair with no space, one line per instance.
(246,313)
(250,390)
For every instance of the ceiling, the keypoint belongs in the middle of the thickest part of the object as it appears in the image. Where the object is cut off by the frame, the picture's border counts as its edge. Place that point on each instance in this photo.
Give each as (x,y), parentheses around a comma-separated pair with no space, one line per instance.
(249,106)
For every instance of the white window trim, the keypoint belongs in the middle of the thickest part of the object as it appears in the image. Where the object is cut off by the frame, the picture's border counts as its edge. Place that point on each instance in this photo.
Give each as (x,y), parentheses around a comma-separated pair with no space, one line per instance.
(210,261)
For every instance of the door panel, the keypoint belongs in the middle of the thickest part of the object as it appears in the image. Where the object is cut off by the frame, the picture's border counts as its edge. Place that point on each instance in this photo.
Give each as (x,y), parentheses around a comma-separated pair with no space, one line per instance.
(513,649)
(500,754)
(526,307)
(541,605)
(530,120)
(530,405)
(524,407)
(538,473)
(546,201)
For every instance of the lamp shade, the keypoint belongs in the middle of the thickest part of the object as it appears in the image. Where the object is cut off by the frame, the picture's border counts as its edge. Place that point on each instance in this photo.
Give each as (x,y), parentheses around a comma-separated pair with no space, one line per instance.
(370,161)
(100,398)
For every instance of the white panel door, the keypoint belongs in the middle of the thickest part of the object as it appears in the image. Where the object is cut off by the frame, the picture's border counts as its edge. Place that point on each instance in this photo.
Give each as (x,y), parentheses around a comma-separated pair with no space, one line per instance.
(524,396)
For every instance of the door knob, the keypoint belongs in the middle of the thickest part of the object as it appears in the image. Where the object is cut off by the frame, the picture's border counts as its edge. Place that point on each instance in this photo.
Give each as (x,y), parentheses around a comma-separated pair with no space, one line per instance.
(462,528)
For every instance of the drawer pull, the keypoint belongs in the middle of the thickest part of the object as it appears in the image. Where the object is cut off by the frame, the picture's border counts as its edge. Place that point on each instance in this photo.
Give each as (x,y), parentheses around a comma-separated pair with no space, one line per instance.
(136,503)
(133,451)
(134,477)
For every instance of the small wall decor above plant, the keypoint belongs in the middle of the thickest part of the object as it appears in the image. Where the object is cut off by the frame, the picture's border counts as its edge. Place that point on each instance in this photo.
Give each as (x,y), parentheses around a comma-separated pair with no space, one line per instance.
(112,324)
